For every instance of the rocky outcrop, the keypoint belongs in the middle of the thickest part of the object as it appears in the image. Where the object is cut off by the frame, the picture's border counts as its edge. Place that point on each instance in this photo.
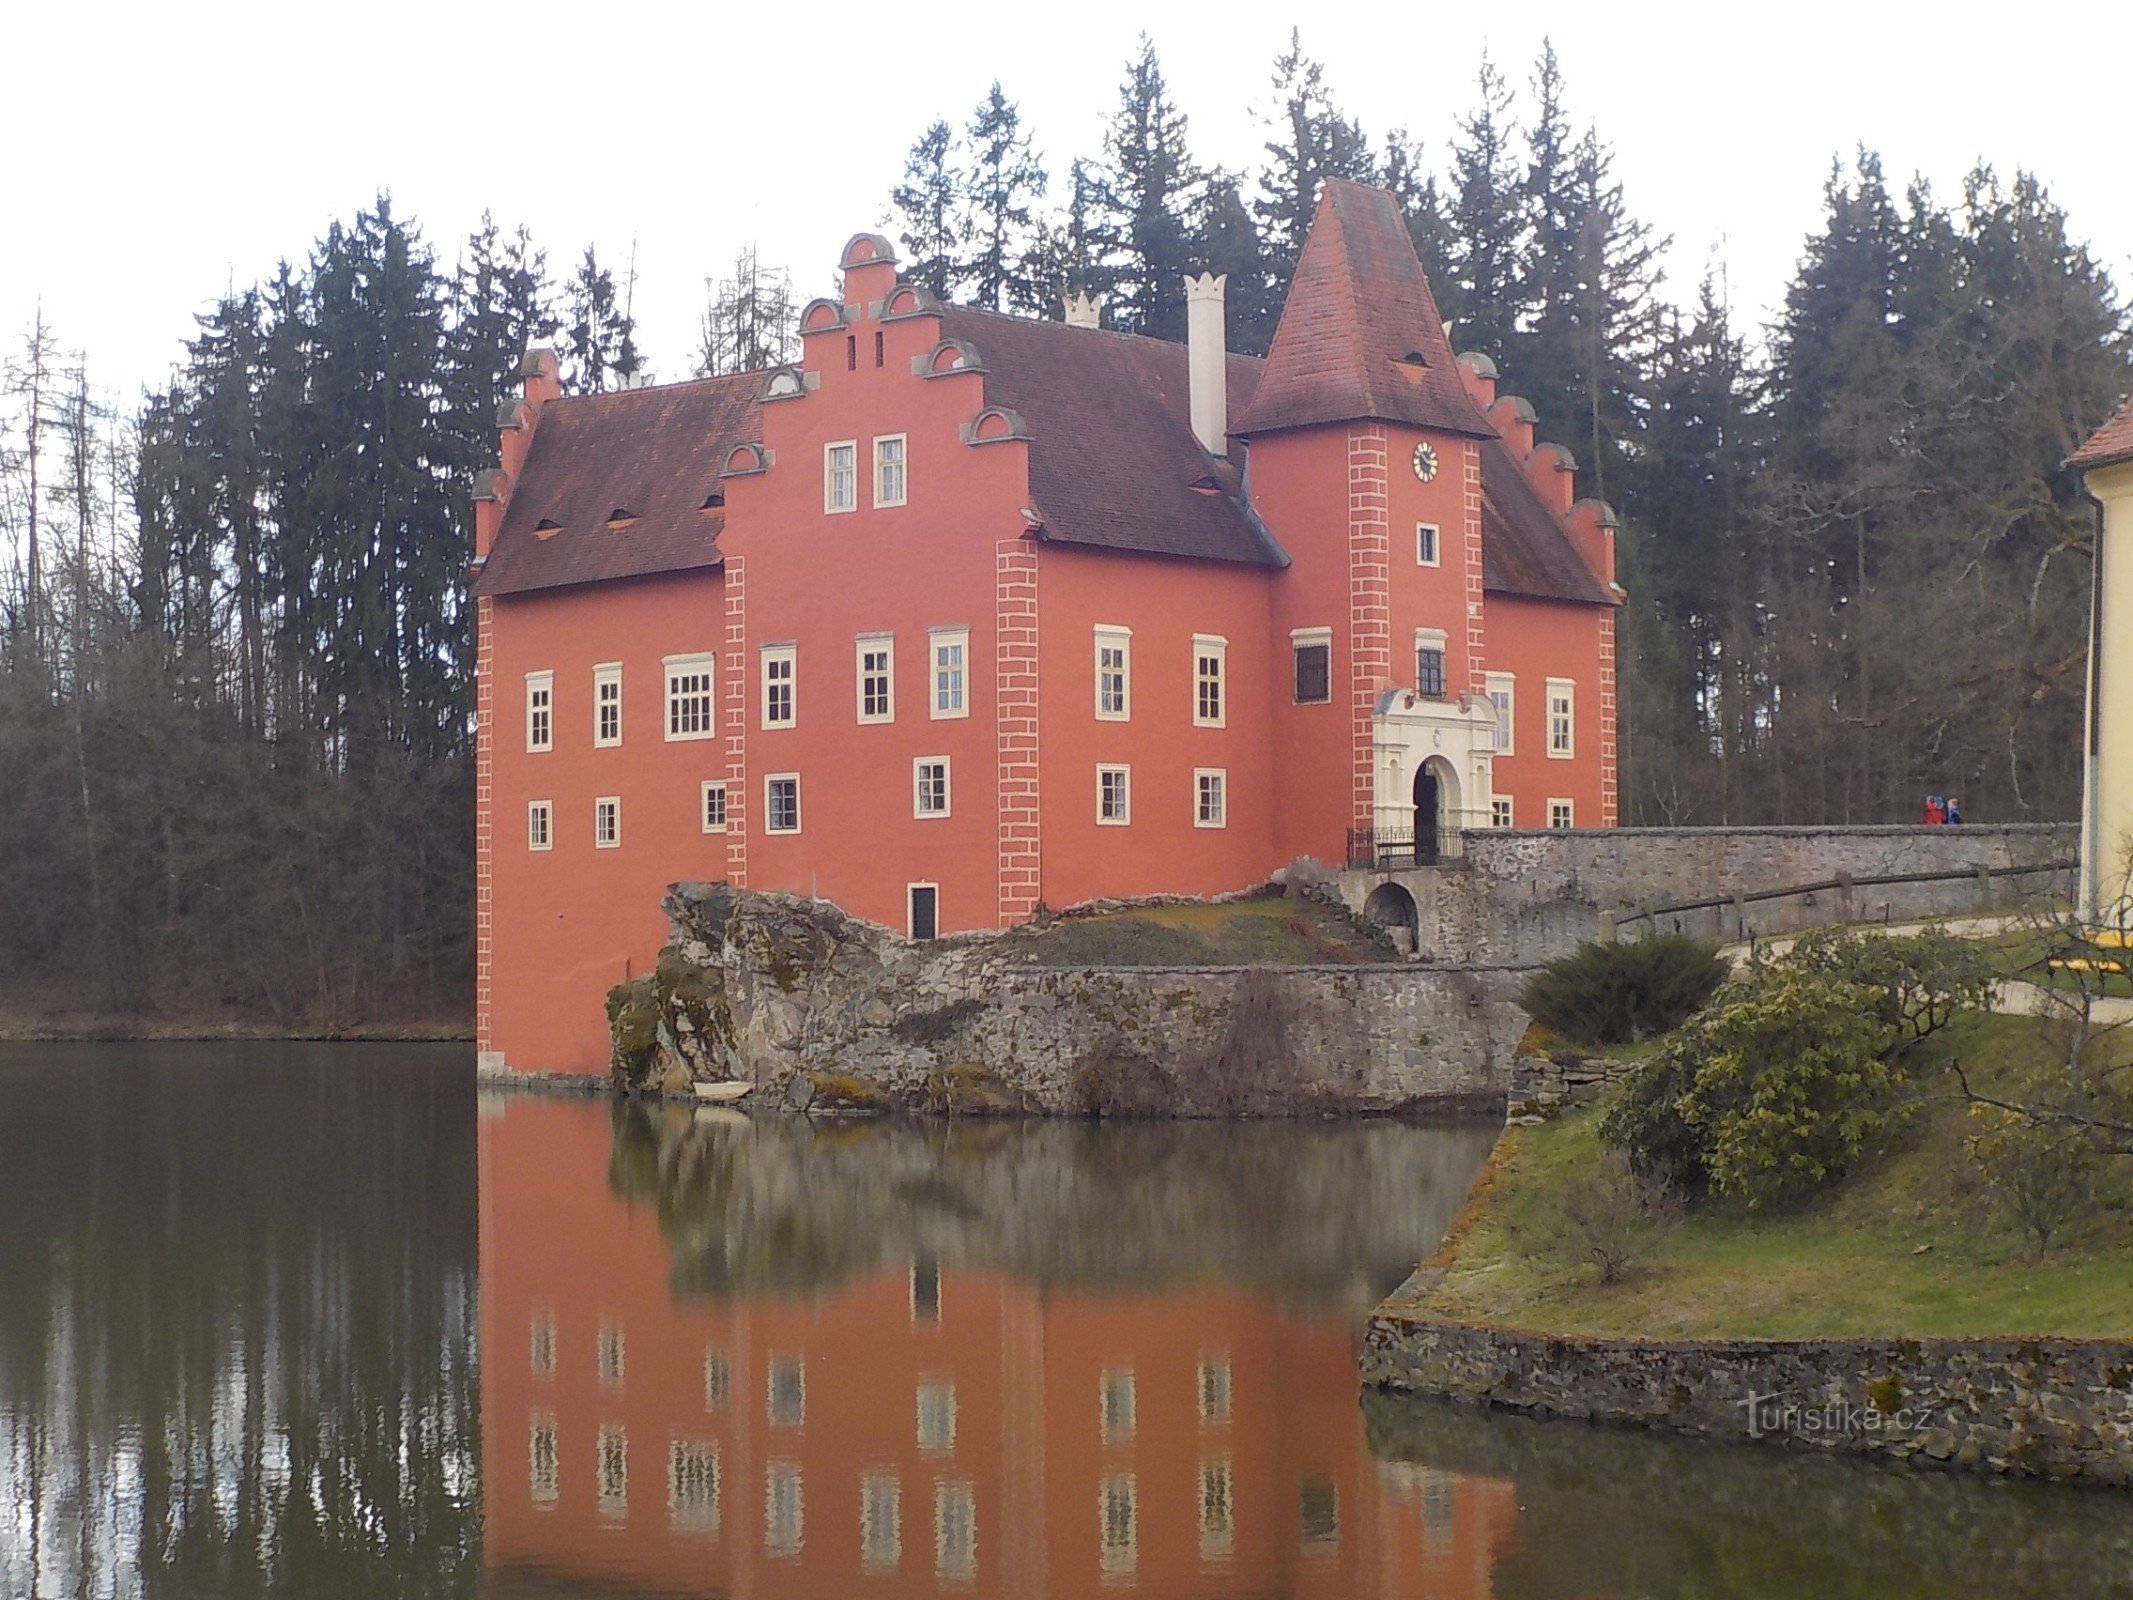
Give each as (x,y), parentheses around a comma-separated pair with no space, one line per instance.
(823,1009)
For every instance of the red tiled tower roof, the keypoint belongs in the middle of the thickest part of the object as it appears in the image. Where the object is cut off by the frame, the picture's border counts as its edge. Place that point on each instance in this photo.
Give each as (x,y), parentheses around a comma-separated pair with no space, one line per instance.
(1360,336)
(2109,444)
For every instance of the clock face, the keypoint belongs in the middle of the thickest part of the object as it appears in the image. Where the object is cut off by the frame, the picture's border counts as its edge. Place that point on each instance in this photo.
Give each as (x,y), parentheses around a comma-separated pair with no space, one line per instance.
(1425,461)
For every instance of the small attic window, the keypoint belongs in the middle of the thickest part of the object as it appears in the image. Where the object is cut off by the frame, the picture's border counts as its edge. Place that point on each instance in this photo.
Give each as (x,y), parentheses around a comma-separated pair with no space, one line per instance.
(713,500)
(621,517)
(547,528)
(1414,358)
(1205,483)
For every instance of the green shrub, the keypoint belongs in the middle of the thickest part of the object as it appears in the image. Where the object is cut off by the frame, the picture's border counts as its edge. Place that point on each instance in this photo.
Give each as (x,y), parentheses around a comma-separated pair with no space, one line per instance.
(1646,1122)
(1605,994)
(1611,1216)
(1924,980)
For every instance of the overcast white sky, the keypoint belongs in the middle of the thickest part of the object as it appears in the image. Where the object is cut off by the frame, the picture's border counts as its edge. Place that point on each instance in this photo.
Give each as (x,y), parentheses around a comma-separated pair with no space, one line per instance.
(158,153)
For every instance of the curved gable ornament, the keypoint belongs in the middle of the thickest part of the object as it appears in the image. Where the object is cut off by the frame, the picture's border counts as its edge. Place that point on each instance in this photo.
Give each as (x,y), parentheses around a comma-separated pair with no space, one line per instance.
(949,357)
(866,250)
(784,383)
(910,300)
(995,425)
(822,315)
(744,460)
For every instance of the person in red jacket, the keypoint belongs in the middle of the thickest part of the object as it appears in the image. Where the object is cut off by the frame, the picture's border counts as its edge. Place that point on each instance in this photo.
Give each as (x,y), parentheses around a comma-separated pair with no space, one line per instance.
(1934,814)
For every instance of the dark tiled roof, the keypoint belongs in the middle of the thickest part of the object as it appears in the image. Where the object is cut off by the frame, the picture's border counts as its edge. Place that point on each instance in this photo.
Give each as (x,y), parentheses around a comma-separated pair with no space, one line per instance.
(654,453)
(1358,307)
(1112,460)
(2109,444)
(1524,548)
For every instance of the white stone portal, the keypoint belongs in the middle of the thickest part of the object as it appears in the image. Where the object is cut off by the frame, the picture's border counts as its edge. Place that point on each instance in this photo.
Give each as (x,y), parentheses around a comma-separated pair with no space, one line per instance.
(1434,760)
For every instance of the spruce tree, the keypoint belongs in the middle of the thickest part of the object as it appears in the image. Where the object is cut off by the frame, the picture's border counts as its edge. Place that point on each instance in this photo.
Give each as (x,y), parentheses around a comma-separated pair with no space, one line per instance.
(1403,172)
(1004,181)
(1227,244)
(1488,223)
(1072,253)
(929,211)
(599,334)
(1308,142)
(1147,188)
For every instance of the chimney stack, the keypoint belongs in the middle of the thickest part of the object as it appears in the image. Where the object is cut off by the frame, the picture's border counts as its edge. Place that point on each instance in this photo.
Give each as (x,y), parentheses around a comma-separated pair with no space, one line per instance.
(1207,361)
(1084,311)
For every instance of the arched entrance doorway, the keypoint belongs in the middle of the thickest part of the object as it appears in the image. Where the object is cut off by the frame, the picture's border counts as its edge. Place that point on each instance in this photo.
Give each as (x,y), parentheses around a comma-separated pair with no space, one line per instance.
(1427,810)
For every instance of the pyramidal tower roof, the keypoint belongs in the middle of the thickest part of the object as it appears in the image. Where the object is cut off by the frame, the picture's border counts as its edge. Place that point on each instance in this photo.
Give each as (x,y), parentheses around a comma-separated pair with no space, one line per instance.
(1360,337)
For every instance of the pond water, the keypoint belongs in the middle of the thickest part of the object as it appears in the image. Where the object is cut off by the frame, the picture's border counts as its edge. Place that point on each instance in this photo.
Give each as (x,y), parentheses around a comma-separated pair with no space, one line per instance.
(324,1321)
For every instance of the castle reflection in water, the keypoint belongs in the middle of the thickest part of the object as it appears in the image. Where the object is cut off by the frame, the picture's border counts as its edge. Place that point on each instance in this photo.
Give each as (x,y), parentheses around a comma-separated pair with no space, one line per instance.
(732,1357)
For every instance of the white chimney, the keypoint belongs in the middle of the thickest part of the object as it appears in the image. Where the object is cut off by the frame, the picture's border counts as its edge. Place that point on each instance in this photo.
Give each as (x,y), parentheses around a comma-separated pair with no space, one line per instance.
(1084,311)
(1207,360)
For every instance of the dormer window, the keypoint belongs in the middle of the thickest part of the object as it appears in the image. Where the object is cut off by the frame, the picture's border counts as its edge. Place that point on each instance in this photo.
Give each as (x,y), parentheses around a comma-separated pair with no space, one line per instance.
(547,528)
(713,501)
(620,518)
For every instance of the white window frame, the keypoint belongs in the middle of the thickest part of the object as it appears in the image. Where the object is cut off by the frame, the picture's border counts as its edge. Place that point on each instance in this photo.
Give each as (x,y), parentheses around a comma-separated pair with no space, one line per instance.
(902,465)
(1120,1555)
(544,839)
(955,1560)
(1502,812)
(1125,789)
(918,807)
(780,1539)
(1211,647)
(1569,809)
(938,639)
(607,675)
(1200,777)
(785,1366)
(769,812)
(1428,535)
(599,802)
(1569,747)
(675,668)
(704,793)
(942,1392)
(881,1536)
(540,712)
(1108,636)
(1506,684)
(830,507)
(787,656)
(1433,639)
(1304,639)
(885,645)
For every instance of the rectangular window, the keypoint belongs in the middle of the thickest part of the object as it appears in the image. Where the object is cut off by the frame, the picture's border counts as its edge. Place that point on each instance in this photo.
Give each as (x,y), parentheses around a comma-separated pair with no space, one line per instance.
(951,672)
(1217,1507)
(540,825)
(1313,648)
(877,678)
(889,470)
(718,1379)
(607,822)
(781,670)
(785,1403)
(1118,1501)
(924,919)
(692,1485)
(781,803)
(1426,544)
(614,1472)
(1114,1399)
(1214,1388)
(1500,812)
(1562,814)
(714,809)
(1503,695)
(881,1536)
(936,1417)
(955,1531)
(1114,797)
(607,705)
(1318,1506)
(784,1515)
(925,1290)
(540,1462)
(610,1352)
(1114,663)
(540,711)
(1429,671)
(1562,718)
(840,475)
(689,714)
(1210,797)
(929,786)
(1210,698)
(541,1356)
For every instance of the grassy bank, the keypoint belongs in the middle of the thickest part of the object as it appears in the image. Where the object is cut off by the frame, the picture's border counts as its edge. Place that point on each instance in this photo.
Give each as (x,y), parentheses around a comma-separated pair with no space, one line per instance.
(62,1026)
(1906,1246)
(1273,929)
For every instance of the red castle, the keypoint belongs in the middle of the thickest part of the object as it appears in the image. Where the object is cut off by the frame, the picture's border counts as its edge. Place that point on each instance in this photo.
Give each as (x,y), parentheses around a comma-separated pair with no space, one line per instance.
(963,614)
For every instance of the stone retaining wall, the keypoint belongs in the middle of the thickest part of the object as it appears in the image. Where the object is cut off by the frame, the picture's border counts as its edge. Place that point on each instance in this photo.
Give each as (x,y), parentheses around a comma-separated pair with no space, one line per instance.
(793,995)
(2054,1408)
(1525,896)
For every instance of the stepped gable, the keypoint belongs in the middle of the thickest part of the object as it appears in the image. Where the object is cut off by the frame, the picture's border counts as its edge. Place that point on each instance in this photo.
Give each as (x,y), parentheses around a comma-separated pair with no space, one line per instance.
(1358,315)
(2109,444)
(1524,550)
(654,453)
(1112,459)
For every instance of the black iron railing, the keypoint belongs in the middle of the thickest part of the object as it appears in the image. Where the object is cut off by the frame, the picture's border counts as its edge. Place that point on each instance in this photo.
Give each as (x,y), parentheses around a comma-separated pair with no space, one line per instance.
(1393,847)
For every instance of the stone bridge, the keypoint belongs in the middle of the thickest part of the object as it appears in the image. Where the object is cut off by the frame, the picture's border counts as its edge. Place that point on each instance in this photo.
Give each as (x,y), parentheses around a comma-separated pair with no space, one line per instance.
(1518,897)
